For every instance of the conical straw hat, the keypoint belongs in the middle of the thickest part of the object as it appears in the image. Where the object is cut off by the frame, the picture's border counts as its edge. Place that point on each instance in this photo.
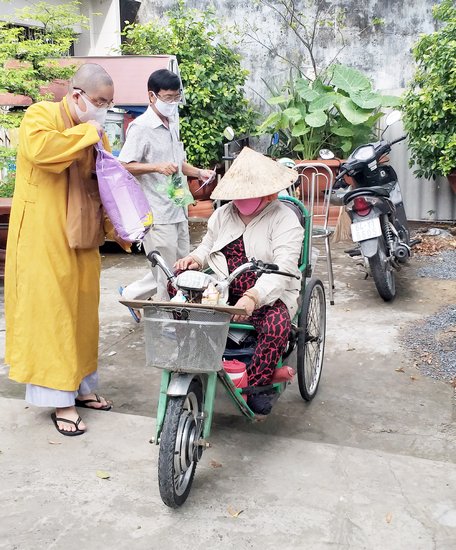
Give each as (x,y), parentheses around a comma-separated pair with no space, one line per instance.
(253,175)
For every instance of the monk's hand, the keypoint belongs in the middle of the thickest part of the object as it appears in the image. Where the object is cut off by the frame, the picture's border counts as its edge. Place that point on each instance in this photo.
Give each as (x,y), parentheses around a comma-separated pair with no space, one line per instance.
(247,303)
(186,263)
(165,168)
(96,124)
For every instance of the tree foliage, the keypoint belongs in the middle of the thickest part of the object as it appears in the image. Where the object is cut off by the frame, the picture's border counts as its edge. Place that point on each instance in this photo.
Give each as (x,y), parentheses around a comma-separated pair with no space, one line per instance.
(430,101)
(211,73)
(27,65)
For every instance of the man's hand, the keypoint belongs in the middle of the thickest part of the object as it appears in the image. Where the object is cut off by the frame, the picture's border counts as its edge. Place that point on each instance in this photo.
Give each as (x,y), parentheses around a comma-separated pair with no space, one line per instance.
(206,175)
(246,303)
(96,124)
(186,263)
(165,168)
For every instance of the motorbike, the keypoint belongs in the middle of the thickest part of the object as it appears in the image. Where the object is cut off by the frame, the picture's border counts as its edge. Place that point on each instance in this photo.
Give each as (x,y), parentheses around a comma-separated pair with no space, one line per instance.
(376,209)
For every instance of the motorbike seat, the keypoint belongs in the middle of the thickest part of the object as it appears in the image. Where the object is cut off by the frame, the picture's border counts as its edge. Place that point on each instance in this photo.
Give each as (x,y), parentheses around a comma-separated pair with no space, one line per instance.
(375,190)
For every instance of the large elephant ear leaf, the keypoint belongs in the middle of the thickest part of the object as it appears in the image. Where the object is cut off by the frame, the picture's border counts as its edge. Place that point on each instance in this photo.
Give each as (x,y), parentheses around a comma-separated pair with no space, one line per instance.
(324,102)
(271,122)
(305,90)
(391,101)
(349,80)
(353,113)
(316,119)
(366,99)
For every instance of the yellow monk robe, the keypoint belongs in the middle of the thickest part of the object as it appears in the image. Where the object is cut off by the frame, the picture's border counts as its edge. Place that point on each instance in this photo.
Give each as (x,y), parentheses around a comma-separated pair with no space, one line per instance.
(51,291)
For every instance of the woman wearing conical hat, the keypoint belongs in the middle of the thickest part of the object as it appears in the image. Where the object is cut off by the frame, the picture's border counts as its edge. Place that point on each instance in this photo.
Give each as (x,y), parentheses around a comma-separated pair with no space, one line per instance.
(255,224)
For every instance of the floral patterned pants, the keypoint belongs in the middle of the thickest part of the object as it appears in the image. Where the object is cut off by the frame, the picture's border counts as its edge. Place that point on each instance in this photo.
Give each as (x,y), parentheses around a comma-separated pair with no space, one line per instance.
(272,323)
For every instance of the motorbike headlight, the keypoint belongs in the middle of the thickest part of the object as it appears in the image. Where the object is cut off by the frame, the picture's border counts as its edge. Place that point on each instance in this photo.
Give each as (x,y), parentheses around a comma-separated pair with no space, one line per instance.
(365,153)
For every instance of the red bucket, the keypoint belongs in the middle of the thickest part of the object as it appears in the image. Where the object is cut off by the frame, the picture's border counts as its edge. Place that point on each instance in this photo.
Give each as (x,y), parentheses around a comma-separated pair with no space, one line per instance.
(236,370)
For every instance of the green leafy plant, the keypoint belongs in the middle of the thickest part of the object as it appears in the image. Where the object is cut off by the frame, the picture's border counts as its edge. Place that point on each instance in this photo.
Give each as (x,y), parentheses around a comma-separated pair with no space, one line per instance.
(429,104)
(7,171)
(329,104)
(28,64)
(338,112)
(211,74)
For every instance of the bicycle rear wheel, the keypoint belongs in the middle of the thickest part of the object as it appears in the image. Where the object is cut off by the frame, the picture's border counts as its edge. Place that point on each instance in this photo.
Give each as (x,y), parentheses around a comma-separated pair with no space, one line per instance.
(311,339)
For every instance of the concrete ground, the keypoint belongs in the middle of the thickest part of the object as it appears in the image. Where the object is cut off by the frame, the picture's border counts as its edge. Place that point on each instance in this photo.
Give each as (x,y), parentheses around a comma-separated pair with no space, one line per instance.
(369,464)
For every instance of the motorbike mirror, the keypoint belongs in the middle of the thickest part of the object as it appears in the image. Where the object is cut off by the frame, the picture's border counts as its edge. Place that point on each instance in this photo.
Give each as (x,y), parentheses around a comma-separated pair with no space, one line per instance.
(393,117)
(228,133)
(326,154)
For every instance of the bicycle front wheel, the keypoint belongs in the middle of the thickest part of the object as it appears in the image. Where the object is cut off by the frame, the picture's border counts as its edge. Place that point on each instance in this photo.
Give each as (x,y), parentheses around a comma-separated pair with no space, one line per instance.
(179,449)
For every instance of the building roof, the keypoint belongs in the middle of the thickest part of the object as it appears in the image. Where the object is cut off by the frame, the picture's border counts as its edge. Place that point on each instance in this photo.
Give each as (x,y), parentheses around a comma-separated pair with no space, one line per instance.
(129,73)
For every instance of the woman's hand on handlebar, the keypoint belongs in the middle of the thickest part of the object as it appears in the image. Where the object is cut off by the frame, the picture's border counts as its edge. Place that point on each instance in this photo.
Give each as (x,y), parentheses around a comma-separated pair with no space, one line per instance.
(186,263)
(246,303)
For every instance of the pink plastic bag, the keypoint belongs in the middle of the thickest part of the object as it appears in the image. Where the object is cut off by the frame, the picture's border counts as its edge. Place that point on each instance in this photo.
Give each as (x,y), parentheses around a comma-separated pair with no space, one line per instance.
(123,199)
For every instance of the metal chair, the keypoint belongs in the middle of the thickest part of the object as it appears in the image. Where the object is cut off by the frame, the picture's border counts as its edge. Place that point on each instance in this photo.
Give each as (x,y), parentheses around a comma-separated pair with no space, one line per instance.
(314,189)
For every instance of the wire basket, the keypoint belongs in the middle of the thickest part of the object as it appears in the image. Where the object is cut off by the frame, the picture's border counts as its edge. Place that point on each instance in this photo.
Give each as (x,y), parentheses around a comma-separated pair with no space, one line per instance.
(185,340)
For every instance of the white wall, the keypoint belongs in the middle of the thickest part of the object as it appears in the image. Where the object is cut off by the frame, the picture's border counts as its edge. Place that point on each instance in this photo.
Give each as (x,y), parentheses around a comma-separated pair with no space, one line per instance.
(103,36)
(382,52)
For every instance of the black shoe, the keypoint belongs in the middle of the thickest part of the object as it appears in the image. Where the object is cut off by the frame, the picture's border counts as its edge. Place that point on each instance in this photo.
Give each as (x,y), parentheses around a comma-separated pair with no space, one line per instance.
(261,403)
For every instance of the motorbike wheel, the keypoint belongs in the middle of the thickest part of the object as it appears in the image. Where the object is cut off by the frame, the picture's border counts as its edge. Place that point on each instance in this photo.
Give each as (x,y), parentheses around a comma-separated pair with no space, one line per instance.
(179,449)
(382,273)
(311,339)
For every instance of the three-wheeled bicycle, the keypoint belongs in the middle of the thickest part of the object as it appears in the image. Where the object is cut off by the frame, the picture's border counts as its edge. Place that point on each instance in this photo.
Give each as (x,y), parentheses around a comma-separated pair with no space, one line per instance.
(188,342)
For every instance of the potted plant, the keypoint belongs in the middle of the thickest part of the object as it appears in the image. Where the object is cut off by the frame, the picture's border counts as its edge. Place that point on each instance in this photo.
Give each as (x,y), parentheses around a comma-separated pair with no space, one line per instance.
(337,110)
(429,104)
(323,104)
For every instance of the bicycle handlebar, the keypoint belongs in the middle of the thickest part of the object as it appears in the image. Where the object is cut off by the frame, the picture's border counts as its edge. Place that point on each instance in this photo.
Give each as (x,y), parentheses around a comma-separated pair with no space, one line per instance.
(257,266)
(155,258)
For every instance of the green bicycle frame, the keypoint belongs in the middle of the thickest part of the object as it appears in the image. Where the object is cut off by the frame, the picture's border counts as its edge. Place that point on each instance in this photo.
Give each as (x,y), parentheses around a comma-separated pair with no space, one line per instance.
(209,379)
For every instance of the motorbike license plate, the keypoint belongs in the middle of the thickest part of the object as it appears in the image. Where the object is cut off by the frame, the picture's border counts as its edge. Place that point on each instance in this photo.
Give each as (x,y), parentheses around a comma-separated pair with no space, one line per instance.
(367,229)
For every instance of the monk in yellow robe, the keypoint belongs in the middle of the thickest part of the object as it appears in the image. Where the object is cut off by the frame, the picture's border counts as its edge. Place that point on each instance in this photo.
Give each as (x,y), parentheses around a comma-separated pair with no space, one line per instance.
(51,290)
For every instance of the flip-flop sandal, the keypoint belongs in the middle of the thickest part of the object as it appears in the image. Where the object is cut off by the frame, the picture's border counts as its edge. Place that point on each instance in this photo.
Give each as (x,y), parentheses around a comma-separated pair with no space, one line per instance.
(56,419)
(130,309)
(84,403)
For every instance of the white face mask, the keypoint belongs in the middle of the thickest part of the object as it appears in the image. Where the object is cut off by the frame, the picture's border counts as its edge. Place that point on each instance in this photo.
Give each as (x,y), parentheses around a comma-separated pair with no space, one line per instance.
(91,112)
(166,109)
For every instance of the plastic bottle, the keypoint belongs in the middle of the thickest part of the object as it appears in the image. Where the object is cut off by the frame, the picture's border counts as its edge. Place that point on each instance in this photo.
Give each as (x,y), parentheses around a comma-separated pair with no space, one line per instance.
(179,297)
(210,295)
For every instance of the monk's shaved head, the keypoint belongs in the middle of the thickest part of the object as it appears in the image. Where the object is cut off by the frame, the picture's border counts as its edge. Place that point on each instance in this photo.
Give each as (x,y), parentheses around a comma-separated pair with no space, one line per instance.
(90,77)
(91,86)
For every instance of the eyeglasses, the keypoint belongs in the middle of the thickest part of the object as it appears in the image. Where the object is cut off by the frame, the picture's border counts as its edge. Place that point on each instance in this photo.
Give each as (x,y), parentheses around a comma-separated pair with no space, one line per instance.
(101,103)
(177,98)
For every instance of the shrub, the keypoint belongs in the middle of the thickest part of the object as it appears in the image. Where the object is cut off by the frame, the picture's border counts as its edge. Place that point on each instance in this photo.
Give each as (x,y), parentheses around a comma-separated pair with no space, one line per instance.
(211,73)
(429,103)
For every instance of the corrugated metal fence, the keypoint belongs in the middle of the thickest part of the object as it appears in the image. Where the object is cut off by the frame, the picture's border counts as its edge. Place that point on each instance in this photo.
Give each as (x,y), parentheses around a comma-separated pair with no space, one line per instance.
(426,200)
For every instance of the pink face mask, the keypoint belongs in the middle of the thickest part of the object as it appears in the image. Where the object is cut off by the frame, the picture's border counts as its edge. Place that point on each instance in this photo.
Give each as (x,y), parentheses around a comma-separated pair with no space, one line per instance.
(248,206)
